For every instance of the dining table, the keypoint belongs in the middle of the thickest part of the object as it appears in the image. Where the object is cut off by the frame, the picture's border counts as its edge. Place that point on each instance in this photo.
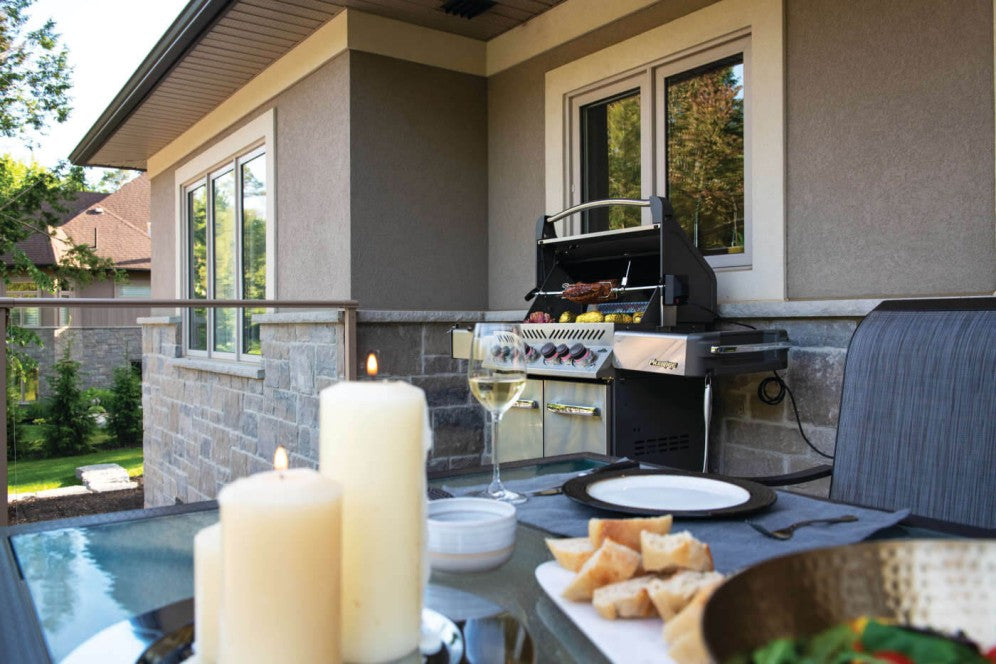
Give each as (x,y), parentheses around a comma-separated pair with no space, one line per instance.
(73,585)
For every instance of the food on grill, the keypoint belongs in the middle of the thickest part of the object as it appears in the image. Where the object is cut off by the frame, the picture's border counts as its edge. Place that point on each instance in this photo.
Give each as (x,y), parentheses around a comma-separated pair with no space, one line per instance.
(584,293)
(678,551)
(872,642)
(610,563)
(618,318)
(627,531)
(567,317)
(590,317)
(638,317)
(572,552)
(624,599)
(539,317)
(673,594)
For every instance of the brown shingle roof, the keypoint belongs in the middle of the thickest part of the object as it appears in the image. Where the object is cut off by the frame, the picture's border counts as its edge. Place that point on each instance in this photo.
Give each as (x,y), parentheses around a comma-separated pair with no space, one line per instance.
(118,222)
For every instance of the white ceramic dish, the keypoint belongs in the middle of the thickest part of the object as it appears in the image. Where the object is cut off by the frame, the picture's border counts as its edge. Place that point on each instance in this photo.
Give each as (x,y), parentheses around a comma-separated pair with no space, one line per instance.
(470,534)
(668,492)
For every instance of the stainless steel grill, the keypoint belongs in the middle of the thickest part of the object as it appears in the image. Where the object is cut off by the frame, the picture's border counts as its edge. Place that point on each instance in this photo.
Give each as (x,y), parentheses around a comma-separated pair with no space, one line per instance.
(639,386)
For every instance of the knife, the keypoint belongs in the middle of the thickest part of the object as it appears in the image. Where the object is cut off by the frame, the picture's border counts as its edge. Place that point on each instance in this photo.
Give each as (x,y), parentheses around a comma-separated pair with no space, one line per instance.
(622,464)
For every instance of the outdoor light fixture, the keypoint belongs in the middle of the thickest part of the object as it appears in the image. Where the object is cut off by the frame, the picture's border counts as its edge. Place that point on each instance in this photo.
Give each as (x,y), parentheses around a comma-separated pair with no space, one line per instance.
(467,8)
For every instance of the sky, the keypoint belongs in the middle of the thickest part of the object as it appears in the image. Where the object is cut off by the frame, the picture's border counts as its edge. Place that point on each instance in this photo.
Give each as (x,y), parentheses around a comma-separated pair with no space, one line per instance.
(107,40)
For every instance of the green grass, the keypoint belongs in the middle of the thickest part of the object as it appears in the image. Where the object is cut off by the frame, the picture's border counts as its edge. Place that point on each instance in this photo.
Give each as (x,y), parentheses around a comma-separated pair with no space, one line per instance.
(40,474)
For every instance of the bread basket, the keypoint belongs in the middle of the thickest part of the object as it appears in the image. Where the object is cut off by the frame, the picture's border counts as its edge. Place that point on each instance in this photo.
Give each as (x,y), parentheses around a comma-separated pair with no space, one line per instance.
(948,585)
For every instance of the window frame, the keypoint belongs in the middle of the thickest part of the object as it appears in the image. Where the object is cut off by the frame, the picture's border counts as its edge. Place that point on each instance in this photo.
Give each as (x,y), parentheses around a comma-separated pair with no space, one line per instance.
(17,313)
(651,81)
(231,165)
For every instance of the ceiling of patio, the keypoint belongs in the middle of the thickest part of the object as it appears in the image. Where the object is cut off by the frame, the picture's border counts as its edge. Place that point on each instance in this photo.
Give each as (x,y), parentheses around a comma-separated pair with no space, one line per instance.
(217,46)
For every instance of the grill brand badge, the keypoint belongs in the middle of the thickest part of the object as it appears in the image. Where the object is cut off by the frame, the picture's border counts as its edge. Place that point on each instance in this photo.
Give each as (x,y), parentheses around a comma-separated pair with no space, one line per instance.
(667,365)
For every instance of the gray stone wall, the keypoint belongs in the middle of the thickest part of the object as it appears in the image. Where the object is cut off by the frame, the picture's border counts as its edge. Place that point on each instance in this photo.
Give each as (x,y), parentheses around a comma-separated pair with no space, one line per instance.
(208,422)
(99,350)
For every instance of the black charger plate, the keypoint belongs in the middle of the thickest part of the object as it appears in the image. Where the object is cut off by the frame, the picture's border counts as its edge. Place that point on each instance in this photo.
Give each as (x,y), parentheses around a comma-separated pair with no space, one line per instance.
(675,492)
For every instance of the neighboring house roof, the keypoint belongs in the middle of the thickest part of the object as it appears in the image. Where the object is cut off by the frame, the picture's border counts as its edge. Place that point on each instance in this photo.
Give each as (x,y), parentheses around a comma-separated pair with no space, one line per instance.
(118,222)
(228,42)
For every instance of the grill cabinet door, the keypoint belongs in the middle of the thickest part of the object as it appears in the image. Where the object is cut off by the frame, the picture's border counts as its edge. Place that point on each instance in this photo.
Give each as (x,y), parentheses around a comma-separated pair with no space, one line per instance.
(521,435)
(575,417)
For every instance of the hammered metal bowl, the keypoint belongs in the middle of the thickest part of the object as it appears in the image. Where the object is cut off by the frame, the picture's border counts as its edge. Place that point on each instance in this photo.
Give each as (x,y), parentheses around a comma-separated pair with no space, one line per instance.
(948,585)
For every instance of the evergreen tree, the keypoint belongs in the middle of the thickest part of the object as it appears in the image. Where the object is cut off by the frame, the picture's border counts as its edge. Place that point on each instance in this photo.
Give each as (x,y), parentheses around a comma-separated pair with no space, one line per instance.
(68,426)
(124,417)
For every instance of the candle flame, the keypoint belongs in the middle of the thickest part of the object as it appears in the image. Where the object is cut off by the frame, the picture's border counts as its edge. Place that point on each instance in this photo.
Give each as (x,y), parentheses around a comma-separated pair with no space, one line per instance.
(280,459)
(372,367)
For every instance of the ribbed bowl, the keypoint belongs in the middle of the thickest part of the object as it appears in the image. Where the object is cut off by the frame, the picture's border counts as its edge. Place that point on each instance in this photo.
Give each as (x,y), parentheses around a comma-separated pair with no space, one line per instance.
(948,585)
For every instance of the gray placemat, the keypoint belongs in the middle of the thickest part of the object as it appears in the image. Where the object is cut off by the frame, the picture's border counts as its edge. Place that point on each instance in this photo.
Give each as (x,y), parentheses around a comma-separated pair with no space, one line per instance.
(734,544)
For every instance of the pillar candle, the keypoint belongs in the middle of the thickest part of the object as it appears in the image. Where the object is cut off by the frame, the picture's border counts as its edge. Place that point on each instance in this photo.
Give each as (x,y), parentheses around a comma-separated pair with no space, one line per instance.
(280,568)
(372,442)
(207,592)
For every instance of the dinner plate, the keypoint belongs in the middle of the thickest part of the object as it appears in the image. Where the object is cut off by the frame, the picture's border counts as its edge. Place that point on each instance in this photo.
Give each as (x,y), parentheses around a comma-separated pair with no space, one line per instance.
(684,494)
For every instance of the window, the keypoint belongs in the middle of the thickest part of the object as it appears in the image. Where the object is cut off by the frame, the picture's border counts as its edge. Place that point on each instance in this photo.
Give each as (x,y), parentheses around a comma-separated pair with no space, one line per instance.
(225,219)
(65,317)
(694,107)
(130,290)
(24,316)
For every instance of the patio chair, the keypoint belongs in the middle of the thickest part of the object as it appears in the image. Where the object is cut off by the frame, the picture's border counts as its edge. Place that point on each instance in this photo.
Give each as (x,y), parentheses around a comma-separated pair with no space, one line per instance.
(917,424)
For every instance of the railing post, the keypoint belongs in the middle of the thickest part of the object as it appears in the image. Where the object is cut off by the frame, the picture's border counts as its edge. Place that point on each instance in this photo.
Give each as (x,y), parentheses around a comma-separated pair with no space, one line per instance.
(349,342)
(4,314)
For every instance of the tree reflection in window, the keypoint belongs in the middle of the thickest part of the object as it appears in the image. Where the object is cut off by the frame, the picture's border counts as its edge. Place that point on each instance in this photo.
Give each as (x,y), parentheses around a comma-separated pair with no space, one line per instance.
(610,157)
(253,247)
(198,276)
(705,154)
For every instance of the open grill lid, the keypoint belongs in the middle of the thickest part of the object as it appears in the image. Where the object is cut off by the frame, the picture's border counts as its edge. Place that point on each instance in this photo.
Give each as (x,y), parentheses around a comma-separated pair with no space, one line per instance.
(659,271)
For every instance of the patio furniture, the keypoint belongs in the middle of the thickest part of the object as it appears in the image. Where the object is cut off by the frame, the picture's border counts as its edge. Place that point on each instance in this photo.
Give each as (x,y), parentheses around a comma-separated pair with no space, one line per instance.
(124,564)
(917,423)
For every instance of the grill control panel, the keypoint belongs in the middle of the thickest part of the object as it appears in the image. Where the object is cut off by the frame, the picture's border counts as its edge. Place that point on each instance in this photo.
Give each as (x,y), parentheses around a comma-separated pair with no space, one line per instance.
(570,350)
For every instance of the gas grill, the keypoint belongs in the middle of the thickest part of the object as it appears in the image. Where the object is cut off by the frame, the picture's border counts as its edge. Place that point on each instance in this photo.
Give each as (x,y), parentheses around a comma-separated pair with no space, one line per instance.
(637,382)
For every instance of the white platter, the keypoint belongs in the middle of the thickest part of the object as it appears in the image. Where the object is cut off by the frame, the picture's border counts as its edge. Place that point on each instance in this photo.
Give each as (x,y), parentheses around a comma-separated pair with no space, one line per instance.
(668,493)
(625,641)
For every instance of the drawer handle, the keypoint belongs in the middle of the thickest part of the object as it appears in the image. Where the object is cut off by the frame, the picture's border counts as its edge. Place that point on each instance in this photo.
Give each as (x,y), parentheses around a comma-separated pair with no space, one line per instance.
(568,409)
(525,403)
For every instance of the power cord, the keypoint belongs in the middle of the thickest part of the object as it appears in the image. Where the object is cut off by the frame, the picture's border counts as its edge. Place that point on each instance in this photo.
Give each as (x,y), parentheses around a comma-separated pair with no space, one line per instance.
(778,397)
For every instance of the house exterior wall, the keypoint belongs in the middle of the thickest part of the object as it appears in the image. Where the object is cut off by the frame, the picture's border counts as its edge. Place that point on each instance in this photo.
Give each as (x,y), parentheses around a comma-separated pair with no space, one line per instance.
(99,350)
(419,185)
(100,317)
(890,148)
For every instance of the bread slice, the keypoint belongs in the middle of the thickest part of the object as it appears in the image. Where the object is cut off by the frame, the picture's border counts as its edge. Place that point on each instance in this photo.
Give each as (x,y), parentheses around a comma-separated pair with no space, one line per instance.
(624,599)
(678,551)
(610,563)
(627,531)
(688,622)
(689,649)
(571,552)
(671,595)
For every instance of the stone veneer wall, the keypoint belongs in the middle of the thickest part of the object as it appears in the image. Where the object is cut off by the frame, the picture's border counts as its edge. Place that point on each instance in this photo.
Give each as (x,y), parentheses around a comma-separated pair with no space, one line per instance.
(209,422)
(99,350)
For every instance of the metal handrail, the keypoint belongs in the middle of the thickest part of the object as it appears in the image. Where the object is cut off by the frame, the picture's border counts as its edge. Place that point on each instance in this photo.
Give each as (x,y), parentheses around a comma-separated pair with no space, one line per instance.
(590,205)
(7,303)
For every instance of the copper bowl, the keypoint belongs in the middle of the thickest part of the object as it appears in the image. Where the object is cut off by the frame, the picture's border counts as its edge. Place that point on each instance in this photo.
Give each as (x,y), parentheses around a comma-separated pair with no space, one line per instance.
(948,585)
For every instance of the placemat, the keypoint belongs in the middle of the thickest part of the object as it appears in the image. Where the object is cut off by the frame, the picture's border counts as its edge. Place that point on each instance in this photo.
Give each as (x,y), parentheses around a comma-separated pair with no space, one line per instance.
(733,542)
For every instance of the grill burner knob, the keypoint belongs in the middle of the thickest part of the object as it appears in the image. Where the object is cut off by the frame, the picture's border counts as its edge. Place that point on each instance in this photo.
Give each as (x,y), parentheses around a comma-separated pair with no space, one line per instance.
(578,351)
(563,351)
(530,353)
(496,351)
(548,350)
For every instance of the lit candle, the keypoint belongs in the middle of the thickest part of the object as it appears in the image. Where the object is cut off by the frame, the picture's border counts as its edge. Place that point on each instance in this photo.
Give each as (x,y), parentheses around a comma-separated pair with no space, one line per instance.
(280,567)
(373,442)
(207,592)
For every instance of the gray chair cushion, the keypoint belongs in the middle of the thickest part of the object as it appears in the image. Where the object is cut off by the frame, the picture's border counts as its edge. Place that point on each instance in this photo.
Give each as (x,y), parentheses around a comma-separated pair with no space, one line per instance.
(917,422)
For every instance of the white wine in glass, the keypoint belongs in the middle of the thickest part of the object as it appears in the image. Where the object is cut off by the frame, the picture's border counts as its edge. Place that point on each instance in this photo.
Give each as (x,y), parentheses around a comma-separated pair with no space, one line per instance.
(497,375)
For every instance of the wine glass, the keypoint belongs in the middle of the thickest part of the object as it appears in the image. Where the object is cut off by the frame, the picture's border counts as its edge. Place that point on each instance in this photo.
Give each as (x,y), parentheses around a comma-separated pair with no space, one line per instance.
(497,376)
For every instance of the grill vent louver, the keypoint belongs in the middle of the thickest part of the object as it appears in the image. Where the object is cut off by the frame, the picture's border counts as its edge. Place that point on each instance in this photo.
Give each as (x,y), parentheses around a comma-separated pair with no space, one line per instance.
(662,444)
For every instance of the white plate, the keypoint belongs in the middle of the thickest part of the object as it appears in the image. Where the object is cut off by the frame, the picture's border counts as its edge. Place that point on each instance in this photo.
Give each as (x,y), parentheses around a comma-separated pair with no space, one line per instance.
(624,641)
(668,493)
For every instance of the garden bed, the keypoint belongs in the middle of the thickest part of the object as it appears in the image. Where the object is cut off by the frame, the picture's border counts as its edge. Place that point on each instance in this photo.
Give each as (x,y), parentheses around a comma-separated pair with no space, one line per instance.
(30,510)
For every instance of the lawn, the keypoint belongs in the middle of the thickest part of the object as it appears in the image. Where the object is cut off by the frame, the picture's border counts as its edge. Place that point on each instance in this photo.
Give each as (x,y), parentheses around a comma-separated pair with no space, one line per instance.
(39,474)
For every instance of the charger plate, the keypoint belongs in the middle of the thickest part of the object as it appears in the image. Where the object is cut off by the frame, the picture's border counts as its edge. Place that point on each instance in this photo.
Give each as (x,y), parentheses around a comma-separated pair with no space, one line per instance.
(650,492)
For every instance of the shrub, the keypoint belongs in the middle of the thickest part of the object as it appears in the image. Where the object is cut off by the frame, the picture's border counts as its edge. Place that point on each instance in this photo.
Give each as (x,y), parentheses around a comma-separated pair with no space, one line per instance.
(68,427)
(36,410)
(125,408)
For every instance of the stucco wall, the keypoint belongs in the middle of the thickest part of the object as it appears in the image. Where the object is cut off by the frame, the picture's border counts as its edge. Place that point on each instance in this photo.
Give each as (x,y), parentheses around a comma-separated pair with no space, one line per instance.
(890,179)
(312,189)
(419,185)
(890,148)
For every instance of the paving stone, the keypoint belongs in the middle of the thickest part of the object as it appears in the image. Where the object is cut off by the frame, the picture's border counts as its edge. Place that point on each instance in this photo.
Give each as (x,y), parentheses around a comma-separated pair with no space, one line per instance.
(302,368)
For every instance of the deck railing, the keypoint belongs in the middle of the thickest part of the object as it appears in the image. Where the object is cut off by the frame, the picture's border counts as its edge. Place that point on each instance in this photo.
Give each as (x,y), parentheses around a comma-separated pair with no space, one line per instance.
(6,304)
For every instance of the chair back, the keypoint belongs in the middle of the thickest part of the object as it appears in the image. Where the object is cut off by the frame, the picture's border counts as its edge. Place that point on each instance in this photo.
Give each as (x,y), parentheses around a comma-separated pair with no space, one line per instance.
(917,423)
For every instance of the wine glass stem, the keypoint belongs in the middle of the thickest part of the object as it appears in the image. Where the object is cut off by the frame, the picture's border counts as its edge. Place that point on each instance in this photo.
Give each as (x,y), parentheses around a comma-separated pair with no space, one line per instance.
(496,486)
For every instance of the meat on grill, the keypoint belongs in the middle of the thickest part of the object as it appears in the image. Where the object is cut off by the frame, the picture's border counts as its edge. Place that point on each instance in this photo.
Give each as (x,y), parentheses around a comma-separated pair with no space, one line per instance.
(584,293)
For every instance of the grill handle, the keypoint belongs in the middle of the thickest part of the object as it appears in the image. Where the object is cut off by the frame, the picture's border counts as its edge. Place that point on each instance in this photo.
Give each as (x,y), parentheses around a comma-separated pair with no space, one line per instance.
(590,205)
(570,409)
(528,404)
(737,349)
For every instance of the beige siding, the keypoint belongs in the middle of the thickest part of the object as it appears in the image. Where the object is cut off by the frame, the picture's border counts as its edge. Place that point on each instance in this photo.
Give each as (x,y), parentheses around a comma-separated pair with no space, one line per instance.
(101,317)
